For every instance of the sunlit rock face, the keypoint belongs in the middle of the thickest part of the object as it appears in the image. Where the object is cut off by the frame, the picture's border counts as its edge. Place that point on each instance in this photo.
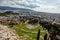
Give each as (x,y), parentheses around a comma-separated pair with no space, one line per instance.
(7,34)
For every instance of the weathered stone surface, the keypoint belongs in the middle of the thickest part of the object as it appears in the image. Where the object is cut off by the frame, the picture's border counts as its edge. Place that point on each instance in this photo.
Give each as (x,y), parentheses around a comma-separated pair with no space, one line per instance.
(7,33)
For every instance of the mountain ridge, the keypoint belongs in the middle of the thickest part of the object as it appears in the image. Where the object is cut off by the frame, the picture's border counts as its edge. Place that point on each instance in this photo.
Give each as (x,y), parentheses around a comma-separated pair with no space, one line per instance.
(13,8)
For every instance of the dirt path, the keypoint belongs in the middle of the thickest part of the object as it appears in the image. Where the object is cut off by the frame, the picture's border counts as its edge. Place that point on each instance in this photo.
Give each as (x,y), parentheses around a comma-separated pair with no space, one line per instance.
(29,26)
(7,34)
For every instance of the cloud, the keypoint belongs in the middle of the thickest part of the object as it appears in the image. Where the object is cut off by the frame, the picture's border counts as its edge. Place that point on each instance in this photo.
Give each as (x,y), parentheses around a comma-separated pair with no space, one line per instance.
(47,8)
(26,5)
(37,5)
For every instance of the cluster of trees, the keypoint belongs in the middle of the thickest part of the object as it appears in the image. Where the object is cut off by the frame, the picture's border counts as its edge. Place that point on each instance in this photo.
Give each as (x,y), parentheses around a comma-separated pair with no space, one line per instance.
(53,29)
(33,21)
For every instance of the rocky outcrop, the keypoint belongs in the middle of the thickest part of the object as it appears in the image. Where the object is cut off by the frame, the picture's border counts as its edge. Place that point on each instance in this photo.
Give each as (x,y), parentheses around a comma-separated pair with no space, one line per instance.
(7,34)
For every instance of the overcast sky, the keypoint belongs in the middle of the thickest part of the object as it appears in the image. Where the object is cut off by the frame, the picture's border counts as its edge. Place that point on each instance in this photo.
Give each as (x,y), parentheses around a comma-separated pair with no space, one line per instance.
(37,5)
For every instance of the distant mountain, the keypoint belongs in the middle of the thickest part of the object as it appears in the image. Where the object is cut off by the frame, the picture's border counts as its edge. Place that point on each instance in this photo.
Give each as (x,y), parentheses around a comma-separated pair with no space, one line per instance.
(29,11)
(12,8)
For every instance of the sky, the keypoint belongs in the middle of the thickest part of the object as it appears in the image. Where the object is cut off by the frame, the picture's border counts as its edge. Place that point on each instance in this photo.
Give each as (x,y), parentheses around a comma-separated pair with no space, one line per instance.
(52,6)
